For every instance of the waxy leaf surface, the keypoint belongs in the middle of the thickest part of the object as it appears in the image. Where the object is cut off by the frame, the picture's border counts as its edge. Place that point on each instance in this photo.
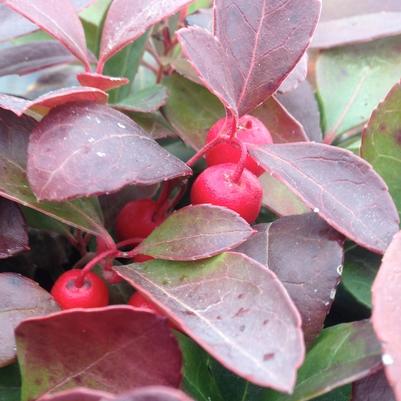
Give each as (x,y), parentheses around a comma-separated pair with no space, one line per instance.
(136,343)
(381,142)
(102,82)
(127,20)
(342,188)
(83,149)
(373,388)
(196,232)
(60,20)
(20,298)
(386,312)
(344,22)
(234,308)
(306,254)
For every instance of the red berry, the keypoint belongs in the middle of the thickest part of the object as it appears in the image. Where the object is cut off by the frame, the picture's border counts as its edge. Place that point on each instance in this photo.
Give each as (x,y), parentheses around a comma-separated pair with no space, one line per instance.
(137,219)
(252,131)
(92,294)
(139,301)
(215,186)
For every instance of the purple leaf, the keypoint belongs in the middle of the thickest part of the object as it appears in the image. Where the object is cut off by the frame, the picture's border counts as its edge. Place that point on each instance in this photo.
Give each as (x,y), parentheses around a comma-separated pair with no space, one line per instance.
(282,126)
(154,393)
(13,231)
(306,254)
(79,394)
(235,308)
(373,388)
(386,312)
(196,232)
(277,35)
(115,355)
(123,26)
(103,82)
(58,19)
(296,76)
(31,57)
(52,99)
(302,105)
(345,22)
(14,25)
(94,150)
(20,298)
(341,187)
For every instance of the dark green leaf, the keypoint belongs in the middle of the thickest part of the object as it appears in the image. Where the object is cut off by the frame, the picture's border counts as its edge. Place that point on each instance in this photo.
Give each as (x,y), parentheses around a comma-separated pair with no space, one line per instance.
(10,383)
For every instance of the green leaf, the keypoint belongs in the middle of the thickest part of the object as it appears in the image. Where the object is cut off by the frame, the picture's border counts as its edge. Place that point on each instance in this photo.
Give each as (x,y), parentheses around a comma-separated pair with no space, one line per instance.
(381,142)
(339,394)
(196,5)
(10,383)
(360,269)
(125,64)
(191,109)
(352,80)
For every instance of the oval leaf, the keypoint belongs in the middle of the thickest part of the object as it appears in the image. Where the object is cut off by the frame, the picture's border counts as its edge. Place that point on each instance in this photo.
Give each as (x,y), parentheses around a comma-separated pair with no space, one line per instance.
(342,188)
(20,298)
(234,308)
(108,339)
(196,232)
(306,254)
(100,81)
(94,150)
(59,20)
(122,26)
(373,388)
(386,314)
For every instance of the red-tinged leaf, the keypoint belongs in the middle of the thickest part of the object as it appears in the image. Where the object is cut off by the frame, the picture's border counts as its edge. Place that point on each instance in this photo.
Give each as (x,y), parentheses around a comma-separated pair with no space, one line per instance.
(20,298)
(122,26)
(373,388)
(235,308)
(296,76)
(58,19)
(338,185)
(196,232)
(15,104)
(31,57)
(282,126)
(307,255)
(154,393)
(386,312)
(13,231)
(115,355)
(79,394)
(302,105)
(94,150)
(100,81)
(345,22)
(14,25)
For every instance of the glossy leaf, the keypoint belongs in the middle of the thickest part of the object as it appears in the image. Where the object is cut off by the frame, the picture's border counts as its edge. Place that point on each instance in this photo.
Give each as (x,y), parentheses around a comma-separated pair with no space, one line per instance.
(302,105)
(373,388)
(381,142)
(20,298)
(351,81)
(342,188)
(191,110)
(102,82)
(31,57)
(13,231)
(79,394)
(154,393)
(385,316)
(345,22)
(245,76)
(146,100)
(196,232)
(96,150)
(282,126)
(60,21)
(341,355)
(234,308)
(306,254)
(14,135)
(45,346)
(122,26)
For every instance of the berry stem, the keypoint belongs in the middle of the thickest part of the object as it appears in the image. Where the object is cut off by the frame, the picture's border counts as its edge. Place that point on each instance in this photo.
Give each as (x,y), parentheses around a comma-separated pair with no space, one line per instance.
(241,163)
(204,150)
(170,204)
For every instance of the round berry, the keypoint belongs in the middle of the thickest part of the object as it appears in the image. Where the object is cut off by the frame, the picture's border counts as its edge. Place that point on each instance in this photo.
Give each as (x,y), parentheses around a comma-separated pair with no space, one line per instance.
(251,131)
(92,294)
(137,219)
(216,186)
(139,301)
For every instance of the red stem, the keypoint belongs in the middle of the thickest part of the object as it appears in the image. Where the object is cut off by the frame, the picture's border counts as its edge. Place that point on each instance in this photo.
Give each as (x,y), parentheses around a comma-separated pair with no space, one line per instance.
(241,163)
(204,150)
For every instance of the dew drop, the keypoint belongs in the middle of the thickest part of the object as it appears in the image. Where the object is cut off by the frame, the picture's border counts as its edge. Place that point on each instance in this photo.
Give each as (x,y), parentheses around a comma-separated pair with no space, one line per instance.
(316,210)
(387,359)
(340,270)
(100,154)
